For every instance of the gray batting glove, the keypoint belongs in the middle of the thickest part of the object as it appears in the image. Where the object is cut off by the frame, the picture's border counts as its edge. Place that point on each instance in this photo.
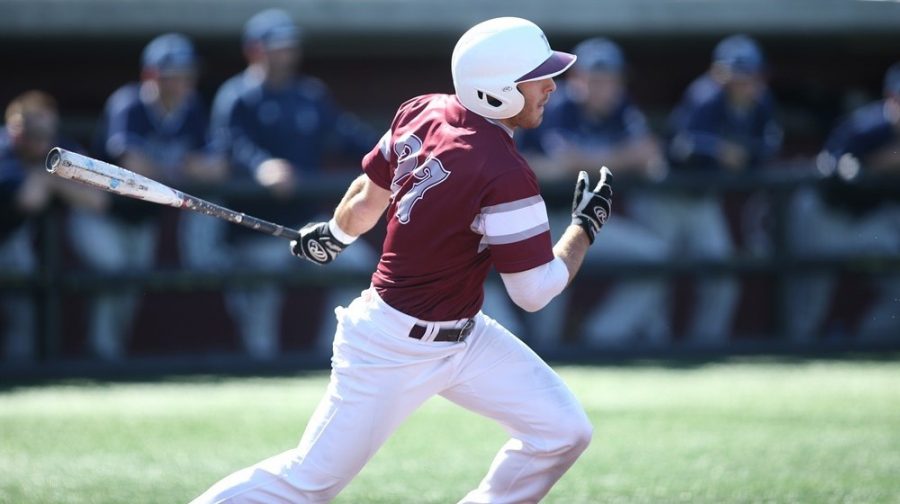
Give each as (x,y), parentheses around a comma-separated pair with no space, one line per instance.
(590,208)
(317,244)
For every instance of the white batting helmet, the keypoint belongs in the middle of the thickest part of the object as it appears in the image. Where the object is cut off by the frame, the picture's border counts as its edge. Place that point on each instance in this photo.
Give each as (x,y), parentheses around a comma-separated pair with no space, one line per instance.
(495,55)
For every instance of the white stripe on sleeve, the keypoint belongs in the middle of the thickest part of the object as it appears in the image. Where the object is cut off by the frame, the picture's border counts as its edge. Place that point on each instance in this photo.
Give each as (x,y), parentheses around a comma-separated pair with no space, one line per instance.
(514,221)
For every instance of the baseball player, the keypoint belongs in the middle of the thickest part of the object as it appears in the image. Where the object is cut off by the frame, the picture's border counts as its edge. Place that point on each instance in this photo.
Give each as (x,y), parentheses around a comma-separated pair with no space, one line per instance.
(846,219)
(26,190)
(725,123)
(158,128)
(591,121)
(459,200)
(279,125)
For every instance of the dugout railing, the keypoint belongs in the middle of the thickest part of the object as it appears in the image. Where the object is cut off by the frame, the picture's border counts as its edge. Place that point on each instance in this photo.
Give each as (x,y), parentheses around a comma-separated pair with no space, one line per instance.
(54,280)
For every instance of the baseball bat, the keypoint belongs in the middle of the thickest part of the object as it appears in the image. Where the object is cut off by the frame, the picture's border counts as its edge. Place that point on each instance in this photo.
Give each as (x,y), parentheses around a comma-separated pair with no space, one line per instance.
(118,180)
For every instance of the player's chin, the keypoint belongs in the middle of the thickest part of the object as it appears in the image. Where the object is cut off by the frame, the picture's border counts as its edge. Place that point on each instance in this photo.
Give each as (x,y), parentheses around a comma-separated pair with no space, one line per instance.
(534,120)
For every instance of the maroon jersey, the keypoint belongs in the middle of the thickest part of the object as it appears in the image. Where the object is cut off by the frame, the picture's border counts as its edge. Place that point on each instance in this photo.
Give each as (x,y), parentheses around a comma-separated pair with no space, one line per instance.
(463,199)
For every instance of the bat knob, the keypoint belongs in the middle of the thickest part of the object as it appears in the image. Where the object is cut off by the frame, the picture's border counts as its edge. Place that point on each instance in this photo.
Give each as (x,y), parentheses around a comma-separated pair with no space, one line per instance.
(53,159)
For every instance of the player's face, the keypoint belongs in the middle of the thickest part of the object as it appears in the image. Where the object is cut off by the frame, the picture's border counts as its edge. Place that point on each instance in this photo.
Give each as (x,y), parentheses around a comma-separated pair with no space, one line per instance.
(604,90)
(282,61)
(536,94)
(744,90)
(175,87)
(34,135)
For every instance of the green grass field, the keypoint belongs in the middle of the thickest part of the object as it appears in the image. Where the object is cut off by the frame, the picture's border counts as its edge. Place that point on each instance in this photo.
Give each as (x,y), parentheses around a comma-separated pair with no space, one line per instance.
(739,431)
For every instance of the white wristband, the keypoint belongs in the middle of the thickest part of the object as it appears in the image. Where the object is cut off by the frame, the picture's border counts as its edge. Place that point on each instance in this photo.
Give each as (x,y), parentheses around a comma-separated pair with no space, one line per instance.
(339,233)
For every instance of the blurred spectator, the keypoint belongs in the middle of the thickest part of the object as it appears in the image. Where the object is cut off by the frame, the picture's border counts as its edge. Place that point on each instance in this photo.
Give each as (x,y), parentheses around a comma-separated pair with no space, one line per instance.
(588,123)
(26,189)
(279,125)
(157,128)
(850,219)
(724,124)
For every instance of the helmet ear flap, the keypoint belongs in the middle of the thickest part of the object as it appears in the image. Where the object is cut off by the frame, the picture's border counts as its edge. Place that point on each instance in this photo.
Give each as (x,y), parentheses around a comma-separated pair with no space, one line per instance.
(499,106)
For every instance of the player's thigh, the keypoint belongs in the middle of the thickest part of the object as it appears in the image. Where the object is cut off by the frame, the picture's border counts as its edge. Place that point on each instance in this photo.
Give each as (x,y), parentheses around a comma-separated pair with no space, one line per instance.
(17,253)
(99,240)
(662,214)
(708,234)
(501,378)
(377,381)
(623,238)
(263,253)
(140,245)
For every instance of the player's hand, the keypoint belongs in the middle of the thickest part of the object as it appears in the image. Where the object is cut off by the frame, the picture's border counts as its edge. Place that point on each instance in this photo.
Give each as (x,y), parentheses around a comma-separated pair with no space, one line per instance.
(733,156)
(278,176)
(317,244)
(590,208)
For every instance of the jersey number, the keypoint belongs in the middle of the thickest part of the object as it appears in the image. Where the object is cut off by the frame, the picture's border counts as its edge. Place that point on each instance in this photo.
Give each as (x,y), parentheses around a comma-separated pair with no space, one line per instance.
(426,175)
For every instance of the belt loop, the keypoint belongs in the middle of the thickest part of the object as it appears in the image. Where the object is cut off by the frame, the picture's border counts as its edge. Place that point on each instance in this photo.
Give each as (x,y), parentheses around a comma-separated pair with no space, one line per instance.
(431,331)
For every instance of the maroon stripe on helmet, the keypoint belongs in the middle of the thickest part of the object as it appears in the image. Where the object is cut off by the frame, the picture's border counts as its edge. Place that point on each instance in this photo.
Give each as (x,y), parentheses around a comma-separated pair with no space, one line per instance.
(555,64)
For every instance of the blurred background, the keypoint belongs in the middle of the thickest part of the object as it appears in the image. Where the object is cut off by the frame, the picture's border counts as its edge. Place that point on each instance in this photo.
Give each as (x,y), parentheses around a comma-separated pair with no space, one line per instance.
(756,148)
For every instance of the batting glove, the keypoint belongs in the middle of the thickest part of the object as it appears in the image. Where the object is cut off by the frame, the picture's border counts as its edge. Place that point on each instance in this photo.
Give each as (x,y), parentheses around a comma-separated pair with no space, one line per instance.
(317,244)
(590,209)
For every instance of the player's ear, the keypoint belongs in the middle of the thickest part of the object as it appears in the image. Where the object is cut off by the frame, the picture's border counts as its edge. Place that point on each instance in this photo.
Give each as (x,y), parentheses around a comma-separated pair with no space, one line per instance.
(254,51)
(149,74)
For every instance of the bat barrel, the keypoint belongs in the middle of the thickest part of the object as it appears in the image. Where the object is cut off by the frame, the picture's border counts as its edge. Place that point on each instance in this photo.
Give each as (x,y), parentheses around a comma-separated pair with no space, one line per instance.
(54,158)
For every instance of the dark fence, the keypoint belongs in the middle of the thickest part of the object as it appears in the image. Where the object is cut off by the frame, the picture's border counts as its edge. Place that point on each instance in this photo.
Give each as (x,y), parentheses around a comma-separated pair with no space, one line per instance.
(57,280)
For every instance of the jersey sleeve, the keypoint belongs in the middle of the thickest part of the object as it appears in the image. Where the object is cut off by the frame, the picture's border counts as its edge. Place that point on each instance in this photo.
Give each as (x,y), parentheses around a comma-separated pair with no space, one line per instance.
(513,220)
(634,123)
(377,163)
(123,132)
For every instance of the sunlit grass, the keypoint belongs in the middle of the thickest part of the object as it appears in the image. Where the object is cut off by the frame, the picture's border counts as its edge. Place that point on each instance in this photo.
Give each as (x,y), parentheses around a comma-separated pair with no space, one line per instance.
(753,431)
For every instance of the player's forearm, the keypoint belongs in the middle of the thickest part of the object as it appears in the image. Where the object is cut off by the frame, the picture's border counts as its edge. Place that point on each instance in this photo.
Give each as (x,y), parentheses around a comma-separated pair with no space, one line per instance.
(571,249)
(361,207)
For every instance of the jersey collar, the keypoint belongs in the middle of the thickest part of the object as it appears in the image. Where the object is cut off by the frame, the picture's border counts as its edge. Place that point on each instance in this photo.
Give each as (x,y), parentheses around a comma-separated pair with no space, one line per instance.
(509,131)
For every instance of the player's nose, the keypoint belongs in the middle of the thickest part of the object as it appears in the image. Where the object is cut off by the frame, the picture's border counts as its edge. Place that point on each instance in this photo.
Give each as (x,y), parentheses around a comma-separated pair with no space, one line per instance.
(551,85)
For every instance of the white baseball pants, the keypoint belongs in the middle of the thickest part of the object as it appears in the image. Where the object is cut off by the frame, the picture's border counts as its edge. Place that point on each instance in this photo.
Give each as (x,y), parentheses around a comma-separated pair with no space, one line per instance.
(380,376)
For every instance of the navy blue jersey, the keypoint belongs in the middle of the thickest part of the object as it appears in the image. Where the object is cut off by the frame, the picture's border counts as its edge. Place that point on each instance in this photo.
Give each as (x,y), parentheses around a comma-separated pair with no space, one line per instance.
(130,123)
(223,105)
(699,90)
(866,131)
(704,120)
(12,175)
(566,121)
(299,123)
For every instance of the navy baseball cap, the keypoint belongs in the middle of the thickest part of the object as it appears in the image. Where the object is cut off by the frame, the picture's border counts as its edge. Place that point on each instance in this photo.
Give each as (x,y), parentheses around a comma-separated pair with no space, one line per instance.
(170,53)
(892,80)
(740,54)
(273,28)
(599,55)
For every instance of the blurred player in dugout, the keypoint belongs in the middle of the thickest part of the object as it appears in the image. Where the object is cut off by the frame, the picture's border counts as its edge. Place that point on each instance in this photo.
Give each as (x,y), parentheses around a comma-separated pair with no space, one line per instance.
(276,126)
(158,128)
(26,190)
(725,123)
(590,122)
(847,219)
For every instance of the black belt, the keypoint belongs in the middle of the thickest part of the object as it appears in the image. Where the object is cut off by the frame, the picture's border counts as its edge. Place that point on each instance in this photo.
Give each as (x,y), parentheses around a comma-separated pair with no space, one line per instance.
(446,334)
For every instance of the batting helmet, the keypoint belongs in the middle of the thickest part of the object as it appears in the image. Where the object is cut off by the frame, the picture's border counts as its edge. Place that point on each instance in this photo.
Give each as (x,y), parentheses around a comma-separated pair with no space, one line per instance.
(495,55)
(169,53)
(739,54)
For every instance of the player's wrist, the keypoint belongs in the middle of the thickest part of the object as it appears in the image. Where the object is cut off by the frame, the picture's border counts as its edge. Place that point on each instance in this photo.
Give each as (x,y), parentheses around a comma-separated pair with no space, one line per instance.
(587,226)
(341,235)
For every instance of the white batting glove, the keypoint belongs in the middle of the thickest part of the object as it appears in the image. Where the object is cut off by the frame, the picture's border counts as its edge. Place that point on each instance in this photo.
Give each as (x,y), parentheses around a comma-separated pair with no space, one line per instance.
(590,209)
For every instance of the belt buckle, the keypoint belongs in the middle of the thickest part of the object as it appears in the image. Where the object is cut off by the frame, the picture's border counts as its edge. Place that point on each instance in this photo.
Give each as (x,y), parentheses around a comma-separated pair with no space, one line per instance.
(466,330)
